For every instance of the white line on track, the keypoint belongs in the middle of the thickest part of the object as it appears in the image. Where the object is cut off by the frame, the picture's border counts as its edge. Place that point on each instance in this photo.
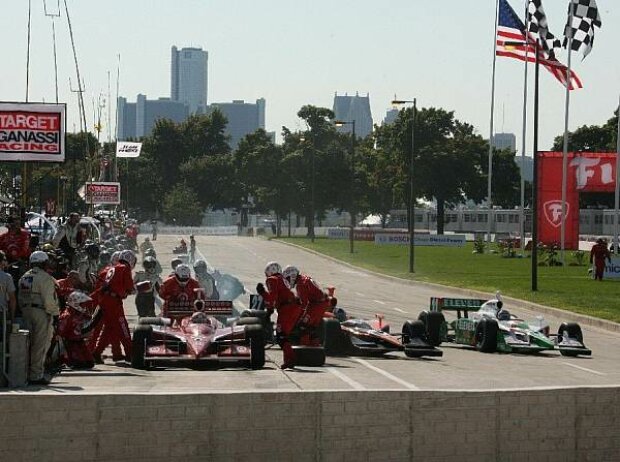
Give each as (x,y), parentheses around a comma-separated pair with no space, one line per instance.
(585,369)
(379,302)
(400,311)
(386,374)
(359,294)
(344,378)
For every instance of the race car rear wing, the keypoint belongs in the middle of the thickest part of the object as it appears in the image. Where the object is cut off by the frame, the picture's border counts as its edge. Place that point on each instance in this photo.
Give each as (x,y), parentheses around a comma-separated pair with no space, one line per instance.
(459,305)
(211,308)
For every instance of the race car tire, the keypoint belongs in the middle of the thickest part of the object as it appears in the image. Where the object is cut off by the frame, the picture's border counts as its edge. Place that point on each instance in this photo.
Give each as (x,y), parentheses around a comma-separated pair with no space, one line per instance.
(413,329)
(152,321)
(486,336)
(263,315)
(332,338)
(250,321)
(433,324)
(572,330)
(141,338)
(255,334)
(309,356)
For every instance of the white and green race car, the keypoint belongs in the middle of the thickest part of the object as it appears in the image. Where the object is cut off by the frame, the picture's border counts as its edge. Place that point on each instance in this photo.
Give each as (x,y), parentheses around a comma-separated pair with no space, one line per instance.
(489,327)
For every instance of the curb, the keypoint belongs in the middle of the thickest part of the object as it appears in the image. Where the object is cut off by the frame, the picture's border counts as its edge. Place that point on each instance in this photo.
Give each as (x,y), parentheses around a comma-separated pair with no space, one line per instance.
(583,319)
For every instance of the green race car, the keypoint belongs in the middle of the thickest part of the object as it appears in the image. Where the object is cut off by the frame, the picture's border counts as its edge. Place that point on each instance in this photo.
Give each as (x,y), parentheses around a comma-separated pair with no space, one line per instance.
(489,327)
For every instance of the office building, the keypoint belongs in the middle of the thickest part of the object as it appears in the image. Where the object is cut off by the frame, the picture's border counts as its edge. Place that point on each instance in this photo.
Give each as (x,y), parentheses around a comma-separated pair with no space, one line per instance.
(390,116)
(136,120)
(505,141)
(243,118)
(527,169)
(349,108)
(188,78)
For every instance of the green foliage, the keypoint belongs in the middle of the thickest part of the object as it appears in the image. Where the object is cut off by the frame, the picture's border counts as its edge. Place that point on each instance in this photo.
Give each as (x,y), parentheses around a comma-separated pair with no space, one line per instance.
(549,255)
(507,248)
(580,257)
(591,138)
(479,245)
(181,206)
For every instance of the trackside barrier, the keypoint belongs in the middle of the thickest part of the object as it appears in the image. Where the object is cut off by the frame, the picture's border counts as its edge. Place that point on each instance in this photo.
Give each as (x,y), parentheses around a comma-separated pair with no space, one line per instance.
(575,424)
(196,230)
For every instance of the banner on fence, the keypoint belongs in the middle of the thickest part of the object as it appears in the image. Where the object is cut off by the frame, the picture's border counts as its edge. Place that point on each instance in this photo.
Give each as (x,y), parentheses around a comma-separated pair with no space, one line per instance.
(612,270)
(451,240)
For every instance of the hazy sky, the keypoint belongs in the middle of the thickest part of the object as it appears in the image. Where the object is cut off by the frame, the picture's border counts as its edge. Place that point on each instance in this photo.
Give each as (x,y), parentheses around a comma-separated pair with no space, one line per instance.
(294,52)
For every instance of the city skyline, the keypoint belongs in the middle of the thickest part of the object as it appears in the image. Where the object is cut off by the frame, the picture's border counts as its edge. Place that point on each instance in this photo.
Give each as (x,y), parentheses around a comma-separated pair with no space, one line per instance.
(293,55)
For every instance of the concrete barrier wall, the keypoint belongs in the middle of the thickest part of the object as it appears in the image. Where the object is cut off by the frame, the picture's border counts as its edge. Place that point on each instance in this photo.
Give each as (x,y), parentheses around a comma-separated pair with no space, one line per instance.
(555,425)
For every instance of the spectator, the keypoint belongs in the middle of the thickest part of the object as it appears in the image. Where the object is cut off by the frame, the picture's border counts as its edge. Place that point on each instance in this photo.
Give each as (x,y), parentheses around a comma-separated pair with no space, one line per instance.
(69,237)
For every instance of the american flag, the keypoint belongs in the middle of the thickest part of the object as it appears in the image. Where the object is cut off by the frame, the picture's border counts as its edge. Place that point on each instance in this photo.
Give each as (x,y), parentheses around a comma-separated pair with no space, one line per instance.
(510,28)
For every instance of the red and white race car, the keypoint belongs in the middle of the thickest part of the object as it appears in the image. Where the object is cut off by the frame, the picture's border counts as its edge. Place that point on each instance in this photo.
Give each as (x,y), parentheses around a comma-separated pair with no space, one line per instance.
(198,335)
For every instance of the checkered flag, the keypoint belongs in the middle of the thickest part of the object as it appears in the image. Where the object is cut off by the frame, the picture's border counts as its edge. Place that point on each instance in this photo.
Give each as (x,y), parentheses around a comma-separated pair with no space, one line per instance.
(537,24)
(585,17)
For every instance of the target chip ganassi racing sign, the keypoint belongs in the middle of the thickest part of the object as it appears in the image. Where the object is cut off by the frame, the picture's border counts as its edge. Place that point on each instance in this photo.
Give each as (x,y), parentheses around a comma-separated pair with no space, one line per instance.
(32,132)
(102,193)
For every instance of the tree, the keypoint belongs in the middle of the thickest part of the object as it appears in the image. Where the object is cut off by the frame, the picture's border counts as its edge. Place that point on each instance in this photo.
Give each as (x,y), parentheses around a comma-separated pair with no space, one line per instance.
(181,206)
(592,138)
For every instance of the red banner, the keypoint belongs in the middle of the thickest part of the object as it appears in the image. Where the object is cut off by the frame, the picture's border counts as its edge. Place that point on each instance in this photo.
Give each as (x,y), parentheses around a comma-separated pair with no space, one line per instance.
(587,172)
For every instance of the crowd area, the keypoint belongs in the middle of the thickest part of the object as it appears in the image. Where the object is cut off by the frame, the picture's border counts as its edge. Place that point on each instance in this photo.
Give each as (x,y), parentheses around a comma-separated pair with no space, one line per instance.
(69,292)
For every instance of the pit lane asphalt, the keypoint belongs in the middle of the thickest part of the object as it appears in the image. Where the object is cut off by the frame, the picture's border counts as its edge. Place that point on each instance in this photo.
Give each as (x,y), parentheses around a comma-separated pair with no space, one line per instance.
(361,294)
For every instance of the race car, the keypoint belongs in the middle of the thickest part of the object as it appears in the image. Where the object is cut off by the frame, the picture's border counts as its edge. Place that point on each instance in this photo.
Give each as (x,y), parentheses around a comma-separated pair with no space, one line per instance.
(373,338)
(489,327)
(198,335)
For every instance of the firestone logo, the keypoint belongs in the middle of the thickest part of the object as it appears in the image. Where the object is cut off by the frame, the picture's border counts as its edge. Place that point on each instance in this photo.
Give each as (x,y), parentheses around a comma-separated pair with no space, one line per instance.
(553,212)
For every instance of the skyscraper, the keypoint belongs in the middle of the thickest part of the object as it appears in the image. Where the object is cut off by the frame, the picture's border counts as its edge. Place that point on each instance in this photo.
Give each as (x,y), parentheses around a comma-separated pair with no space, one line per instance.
(243,118)
(349,108)
(188,78)
(505,141)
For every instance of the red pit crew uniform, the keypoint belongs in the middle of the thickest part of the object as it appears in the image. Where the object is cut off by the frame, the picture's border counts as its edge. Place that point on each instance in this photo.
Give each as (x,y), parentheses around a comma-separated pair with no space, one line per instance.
(98,328)
(598,255)
(16,245)
(314,302)
(73,328)
(177,297)
(117,285)
(279,297)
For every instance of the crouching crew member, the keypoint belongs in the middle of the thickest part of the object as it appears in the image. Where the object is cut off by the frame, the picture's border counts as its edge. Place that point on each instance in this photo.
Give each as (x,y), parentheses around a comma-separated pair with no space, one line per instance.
(314,303)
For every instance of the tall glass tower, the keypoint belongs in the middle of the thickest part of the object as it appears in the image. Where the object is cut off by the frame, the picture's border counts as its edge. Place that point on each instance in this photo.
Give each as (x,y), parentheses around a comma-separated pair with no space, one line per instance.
(188,78)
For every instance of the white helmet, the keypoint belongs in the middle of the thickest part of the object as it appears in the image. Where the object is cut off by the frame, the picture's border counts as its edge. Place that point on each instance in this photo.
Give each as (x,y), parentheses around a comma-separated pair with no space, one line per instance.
(273,268)
(128,256)
(76,299)
(37,257)
(290,274)
(182,273)
(115,257)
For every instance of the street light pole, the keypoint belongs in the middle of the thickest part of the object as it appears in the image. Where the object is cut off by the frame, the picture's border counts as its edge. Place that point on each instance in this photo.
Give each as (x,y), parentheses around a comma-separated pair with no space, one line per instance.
(340,123)
(411,189)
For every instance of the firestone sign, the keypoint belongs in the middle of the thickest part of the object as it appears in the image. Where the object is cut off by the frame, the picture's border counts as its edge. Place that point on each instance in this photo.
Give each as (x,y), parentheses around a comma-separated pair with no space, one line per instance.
(587,172)
(32,132)
(103,193)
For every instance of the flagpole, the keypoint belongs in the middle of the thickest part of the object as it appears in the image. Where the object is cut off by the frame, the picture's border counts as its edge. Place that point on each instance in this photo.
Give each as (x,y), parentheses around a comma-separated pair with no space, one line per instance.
(535,176)
(524,133)
(565,147)
(617,204)
(490,176)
